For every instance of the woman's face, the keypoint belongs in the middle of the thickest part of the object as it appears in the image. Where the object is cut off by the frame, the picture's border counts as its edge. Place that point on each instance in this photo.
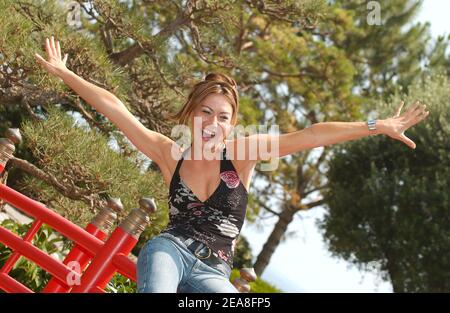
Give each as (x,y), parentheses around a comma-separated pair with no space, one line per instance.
(211,119)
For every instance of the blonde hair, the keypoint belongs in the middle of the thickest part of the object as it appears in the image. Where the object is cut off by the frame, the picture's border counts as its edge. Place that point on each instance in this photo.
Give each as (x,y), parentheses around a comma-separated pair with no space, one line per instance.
(212,83)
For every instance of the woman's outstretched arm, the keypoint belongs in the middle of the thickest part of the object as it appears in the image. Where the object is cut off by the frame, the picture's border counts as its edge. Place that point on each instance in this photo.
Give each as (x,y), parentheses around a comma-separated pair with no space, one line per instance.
(328,133)
(266,146)
(151,143)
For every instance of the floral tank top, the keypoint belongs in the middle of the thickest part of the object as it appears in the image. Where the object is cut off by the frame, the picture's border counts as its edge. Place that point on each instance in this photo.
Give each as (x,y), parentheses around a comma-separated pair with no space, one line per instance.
(217,221)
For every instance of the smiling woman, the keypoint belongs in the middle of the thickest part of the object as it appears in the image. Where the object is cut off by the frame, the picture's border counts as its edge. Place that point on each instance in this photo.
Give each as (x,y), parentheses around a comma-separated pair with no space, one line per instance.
(208,197)
(207,201)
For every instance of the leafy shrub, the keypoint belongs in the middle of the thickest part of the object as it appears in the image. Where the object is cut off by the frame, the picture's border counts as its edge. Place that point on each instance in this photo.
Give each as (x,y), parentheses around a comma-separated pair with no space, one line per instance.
(258,286)
(24,271)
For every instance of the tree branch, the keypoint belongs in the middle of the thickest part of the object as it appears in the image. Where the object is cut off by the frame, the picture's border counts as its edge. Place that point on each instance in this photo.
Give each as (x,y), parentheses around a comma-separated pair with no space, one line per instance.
(71,192)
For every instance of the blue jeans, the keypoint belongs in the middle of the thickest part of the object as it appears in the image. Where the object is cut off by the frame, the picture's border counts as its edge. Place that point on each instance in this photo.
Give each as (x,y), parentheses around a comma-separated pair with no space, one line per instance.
(165,264)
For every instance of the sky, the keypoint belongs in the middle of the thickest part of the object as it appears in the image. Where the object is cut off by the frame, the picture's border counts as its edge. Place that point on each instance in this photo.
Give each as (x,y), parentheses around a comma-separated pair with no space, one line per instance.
(303,263)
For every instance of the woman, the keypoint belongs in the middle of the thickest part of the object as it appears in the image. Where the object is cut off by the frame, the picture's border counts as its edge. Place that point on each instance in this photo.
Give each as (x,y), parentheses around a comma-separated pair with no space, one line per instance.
(208,195)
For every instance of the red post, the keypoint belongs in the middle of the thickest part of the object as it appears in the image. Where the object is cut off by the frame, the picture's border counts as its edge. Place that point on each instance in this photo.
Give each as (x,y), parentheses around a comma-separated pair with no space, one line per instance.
(108,257)
(7,148)
(35,255)
(100,227)
(15,255)
(121,242)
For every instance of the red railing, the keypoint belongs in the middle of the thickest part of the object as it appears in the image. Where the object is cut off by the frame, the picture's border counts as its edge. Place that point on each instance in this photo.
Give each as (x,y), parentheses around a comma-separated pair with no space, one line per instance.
(106,257)
(95,258)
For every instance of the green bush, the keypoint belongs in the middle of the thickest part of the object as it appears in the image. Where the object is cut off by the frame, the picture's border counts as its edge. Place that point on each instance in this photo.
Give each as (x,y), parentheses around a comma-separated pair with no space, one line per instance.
(25,271)
(243,255)
(258,286)
(121,284)
(49,241)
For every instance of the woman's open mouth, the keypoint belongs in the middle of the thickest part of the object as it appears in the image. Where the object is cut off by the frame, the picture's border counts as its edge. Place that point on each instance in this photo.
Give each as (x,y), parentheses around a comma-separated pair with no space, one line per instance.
(206,135)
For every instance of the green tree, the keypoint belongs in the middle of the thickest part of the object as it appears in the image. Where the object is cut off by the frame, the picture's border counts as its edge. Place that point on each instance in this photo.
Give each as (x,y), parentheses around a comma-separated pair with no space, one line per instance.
(393,215)
(390,54)
(352,65)
(90,169)
(148,53)
(290,58)
(243,256)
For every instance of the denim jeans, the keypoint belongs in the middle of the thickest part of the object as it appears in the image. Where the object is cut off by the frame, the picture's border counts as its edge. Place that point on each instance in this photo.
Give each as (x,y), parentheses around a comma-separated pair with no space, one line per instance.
(165,264)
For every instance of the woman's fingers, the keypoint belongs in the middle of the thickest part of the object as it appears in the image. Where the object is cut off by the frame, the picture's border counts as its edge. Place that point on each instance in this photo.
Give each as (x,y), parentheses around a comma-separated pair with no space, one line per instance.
(407,141)
(417,115)
(43,62)
(420,110)
(58,49)
(40,59)
(53,48)
(55,54)
(48,49)
(412,108)
(422,115)
(399,109)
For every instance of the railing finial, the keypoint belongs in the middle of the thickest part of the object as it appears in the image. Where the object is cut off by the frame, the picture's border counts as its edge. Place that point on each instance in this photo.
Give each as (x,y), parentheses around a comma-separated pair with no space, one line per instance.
(138,218)
(7,146)
(105,218)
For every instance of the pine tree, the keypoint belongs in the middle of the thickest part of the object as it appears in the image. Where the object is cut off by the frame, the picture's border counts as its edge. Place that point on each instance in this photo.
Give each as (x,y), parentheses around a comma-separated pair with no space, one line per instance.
(148,54)
(296,62)
(393,217)
(354,65)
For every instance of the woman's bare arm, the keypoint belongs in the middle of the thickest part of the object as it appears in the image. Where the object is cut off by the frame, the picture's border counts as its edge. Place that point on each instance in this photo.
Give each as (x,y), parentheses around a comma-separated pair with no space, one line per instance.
(259,147)
(151,143)
(329,133)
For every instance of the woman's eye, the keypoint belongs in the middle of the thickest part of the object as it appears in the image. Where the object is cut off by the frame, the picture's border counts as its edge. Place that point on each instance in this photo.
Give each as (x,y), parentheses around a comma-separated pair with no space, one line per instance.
(206,111)
(225,118)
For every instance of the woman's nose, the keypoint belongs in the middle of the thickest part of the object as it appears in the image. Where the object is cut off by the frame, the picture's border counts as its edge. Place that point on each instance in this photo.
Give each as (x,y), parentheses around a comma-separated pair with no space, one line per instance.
(213,121)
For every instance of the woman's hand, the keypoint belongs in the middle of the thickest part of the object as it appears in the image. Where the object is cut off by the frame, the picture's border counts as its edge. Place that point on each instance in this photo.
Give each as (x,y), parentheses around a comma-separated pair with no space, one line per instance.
(55,65)
(396,126)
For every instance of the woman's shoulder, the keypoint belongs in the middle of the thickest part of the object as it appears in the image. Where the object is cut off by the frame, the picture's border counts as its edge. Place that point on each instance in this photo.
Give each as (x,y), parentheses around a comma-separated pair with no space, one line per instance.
(241,162)
(172,153)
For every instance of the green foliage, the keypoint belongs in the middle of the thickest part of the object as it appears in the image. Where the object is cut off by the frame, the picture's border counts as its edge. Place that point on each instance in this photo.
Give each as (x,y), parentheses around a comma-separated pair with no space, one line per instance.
(258,286)
(389,205)
(296,63)
(392,54)
(69,152)
(25,271)
(86,54)
(52,243)
(243,255)
(334,73)
(121,284)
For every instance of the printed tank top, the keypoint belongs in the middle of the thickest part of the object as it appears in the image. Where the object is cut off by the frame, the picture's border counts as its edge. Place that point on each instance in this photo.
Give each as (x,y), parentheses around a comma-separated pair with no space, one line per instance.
(217,221)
